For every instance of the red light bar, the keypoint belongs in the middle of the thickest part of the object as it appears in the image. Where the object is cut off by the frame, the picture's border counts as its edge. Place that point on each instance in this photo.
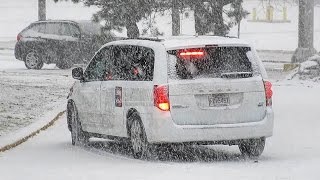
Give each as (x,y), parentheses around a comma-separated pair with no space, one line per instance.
(201,53)
(191,53)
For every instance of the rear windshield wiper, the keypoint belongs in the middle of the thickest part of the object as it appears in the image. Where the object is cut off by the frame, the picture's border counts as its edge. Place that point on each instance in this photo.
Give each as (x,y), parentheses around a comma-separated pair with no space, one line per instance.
(237,75)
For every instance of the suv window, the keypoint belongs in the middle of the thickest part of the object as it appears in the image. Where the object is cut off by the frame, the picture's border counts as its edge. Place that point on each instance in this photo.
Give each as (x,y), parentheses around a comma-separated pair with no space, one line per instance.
(64,29)
(96,70)
(34,28)
(213,62)
(42,28)
(52,28)
(75,32)
(131,63)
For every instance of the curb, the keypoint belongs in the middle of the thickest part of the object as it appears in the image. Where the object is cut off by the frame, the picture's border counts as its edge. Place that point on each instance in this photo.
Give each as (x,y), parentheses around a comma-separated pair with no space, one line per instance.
(34,133)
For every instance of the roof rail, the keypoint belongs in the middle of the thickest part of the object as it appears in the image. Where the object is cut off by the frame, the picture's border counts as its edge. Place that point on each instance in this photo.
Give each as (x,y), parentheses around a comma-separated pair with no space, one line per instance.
(145,38)
(231,36)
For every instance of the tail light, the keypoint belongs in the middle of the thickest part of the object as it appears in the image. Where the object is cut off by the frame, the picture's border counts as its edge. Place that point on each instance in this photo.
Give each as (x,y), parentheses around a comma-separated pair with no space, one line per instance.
(188,54)
(161,97)
(269,93)
(19,37)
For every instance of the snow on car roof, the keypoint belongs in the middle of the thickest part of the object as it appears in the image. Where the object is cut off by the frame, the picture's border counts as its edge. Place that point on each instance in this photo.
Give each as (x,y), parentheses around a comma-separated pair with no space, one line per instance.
(180,42)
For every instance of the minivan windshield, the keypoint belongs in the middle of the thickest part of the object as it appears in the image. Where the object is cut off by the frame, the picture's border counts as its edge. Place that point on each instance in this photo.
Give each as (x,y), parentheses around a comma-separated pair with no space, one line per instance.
(212,62)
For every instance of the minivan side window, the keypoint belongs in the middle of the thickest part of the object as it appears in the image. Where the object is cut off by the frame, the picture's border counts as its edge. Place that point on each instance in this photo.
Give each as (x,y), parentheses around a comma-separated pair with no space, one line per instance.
(131,63)
(96,70)
(143,63)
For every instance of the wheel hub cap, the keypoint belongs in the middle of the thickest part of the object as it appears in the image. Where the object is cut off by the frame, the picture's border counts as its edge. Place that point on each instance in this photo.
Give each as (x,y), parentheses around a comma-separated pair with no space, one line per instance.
(32,59)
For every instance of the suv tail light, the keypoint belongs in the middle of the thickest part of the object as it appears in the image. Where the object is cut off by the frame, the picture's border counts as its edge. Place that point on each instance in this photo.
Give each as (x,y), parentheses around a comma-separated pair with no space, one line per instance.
(269,93)
(161,97)
(19,37)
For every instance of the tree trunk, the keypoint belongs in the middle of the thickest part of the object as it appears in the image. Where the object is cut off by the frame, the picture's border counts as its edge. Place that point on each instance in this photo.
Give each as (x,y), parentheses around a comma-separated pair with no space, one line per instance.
(198,20)
(41,10)
(306,16)
(132,30)
(219,26)
(305,44)
(175,15)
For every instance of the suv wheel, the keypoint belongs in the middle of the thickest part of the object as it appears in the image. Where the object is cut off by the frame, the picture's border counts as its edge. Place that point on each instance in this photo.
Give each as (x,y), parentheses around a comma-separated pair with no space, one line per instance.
(64,65)
(252,147)
(138,138)
(33,60)
(78,136)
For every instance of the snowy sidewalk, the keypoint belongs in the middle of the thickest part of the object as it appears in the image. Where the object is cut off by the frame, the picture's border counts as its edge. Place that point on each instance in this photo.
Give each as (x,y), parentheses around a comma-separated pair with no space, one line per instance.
(27,95)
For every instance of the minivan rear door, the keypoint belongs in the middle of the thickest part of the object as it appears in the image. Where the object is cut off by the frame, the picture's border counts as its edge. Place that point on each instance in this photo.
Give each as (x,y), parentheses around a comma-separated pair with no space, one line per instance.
(213,86)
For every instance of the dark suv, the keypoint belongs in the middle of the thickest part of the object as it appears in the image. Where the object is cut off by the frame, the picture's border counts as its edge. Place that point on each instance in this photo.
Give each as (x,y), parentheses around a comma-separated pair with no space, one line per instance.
(59,42)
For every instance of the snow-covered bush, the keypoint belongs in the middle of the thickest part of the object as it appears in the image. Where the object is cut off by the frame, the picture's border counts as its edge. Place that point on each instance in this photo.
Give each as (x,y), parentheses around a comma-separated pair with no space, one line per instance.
(309,69)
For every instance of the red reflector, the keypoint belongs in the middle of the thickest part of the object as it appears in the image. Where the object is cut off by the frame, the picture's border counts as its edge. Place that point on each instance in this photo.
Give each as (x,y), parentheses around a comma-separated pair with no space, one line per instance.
(269,92)
(191,53)
(161,97)
(19,37)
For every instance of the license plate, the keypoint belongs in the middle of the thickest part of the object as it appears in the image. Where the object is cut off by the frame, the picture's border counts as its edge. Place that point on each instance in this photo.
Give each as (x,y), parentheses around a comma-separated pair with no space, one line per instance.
(219,100)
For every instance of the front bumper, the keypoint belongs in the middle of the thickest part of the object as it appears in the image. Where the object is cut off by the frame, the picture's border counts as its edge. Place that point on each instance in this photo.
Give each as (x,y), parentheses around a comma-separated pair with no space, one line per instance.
(161,129)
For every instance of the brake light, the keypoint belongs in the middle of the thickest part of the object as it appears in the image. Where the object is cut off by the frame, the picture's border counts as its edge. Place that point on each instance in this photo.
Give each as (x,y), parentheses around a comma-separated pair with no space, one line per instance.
(191,53)
(19,37)
(268,92)
(161,97)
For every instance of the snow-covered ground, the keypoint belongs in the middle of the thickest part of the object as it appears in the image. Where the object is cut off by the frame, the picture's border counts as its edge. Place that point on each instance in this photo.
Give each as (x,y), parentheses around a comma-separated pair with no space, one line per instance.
(26,95)
(293,153)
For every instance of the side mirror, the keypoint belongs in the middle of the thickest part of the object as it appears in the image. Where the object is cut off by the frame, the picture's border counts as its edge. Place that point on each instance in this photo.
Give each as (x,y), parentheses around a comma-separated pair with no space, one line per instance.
(77,73)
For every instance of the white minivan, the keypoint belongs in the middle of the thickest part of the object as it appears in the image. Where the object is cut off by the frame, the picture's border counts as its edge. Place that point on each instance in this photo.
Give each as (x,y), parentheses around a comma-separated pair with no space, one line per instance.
(197,89)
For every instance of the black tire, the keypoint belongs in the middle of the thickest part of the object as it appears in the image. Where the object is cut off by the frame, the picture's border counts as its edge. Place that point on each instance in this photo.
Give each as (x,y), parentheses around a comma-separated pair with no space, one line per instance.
(64,65)
(252,147)
(33,60)
(138,138)
(78,136)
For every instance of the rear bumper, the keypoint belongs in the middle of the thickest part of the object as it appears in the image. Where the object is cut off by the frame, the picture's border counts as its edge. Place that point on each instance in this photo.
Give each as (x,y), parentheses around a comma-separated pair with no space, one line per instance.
(163,130)
(18,52)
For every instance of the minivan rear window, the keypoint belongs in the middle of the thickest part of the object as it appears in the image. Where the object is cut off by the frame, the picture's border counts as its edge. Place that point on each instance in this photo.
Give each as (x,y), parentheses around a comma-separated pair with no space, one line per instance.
(212,62)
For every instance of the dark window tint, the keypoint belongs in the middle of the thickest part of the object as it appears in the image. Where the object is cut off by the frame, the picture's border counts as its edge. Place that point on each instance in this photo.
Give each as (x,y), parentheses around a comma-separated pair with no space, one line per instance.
(96,70)
(34,29)
(64,29)
(75,32)
(42,28)
(52,28)
(132,63)
(215,62)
